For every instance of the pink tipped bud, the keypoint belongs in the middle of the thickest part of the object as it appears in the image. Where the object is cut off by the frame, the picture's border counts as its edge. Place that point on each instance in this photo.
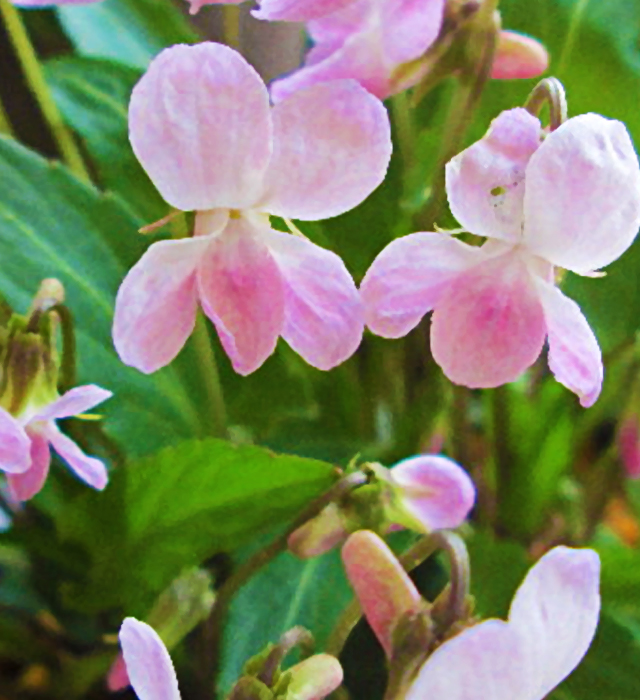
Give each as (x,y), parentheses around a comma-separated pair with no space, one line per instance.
(118,678)
(314,678)
(318,535)
(519,56)
(629,446)
(382,586)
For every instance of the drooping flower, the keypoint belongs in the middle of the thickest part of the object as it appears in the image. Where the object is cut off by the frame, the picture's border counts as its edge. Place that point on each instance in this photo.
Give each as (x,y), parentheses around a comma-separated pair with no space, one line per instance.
(569,200)
(25,443)
(202,127)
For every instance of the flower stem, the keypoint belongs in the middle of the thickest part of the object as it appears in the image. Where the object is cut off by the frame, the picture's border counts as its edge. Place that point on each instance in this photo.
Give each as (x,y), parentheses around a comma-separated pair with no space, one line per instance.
(5,124)
(231,26)
(37,84)
(548,91)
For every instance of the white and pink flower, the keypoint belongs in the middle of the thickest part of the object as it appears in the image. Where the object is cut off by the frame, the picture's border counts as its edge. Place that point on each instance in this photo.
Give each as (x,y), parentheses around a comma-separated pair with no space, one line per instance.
(570,200)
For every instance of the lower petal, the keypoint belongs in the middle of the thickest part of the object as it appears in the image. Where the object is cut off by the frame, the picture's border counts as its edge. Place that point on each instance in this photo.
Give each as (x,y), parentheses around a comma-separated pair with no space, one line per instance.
(26,485)
(77,400)
(323,318)
(91,470)
(489,326)
(14,445)
(241,290)
(574,354)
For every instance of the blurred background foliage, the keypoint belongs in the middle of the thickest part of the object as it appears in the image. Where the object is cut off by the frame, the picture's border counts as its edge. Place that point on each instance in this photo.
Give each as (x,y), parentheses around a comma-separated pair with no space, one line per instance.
(74,563)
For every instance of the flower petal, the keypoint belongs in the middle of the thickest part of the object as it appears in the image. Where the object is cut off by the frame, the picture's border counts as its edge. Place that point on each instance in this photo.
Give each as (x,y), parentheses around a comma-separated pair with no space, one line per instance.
(437,491)
(199,124)
(242,292)
(519,56)
(317,131)
(298,10)
(15,445)
(91,470)
(582,200)
(26,485)
(323,318)
(148,662)
(73,402)
(488,327)
(408,278)
(156,304)
(409,27)
(117,677)
(556,613)
(485,183)
(574,354)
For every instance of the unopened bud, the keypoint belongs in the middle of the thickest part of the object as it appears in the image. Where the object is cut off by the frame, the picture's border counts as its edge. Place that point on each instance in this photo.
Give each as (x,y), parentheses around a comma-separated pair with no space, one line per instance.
(319,534)
(628,439)
(314,678)
(519,56)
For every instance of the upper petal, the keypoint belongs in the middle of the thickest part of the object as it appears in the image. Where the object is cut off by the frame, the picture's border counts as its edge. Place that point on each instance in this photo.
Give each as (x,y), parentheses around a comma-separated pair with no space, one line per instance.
(574,354)
(436,490)
(323,317)
(199,123)
(332,146)
(242,292)
(91,470)
(486,182)
(556,612)
(409,27)
(156,304)
(298,10)
(26,485)
(582,201)
(408,278)
(148,662)
(73,402)
(15,445)
(489,326)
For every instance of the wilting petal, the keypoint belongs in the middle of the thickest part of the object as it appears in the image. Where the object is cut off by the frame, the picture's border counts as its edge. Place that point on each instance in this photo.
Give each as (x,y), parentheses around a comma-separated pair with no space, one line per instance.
(314,678)
(382,586)
(148,662)
(555,612)
(485,183)
(14,445)
(519,56)
(75,401)
(582,201)
(242,292)
(298,10)
(574,354)
(156,304)
(408,279)
(488,327)
(26,485)
(436,490)
(316,132)
(199,123)
(91,470)
(323,318)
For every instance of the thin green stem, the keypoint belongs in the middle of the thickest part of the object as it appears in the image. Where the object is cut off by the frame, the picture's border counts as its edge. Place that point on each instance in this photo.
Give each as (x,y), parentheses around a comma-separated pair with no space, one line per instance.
(5,124)
(548,91)
(404,128)
(231,26)
(37,84)
(508,480)
(216,408)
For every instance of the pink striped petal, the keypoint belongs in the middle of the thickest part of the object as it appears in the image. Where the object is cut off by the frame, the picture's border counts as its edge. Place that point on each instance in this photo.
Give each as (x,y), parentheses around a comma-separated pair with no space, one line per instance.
(75,401)
(298,10)
(24,486)
(91,470)
(156,304)
(323,318)
(582,202)
(383,588)
(488,327)
(436,490)
(199,123)
(242,292)
(574,354)
(518,57)
(485,183)
(148,662)
(314,678)
(555,612)
(408,279)
(14,445)
(317,131)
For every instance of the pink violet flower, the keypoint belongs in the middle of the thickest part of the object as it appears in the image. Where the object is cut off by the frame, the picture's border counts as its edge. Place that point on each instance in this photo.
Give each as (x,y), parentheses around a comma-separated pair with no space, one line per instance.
(203,129)
(569,200)
(25,443)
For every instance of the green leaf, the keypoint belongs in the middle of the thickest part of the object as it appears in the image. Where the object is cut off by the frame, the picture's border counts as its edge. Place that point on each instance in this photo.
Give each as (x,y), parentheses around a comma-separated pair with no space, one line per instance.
(130,31)
(177,508)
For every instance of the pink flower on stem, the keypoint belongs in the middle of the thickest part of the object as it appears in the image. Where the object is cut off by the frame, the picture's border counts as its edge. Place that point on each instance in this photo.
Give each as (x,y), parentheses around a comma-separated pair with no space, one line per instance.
(25,443)
(202,127)
(570,200)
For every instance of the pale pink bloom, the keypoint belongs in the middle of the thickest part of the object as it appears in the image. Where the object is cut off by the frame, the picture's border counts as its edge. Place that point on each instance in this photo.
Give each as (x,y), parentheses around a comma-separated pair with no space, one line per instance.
(570,199)
(551,624)
(203,129)
(289,10)
(25,443)
(519,56)
(367,40)
(628,440)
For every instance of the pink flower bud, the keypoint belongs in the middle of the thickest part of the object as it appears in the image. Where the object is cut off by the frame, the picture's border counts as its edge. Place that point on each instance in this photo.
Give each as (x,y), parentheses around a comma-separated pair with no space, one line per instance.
(629,446)
(314,678)
(519,56)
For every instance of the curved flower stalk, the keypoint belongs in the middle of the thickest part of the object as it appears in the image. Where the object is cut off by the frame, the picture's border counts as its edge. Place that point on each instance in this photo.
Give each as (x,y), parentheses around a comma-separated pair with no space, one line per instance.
(568,200)
(202,127)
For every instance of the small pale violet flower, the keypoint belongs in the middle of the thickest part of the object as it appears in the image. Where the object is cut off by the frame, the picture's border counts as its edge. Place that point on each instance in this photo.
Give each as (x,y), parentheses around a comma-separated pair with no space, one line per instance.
(25,443)
(569,200)
(289,10)
(203,129)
